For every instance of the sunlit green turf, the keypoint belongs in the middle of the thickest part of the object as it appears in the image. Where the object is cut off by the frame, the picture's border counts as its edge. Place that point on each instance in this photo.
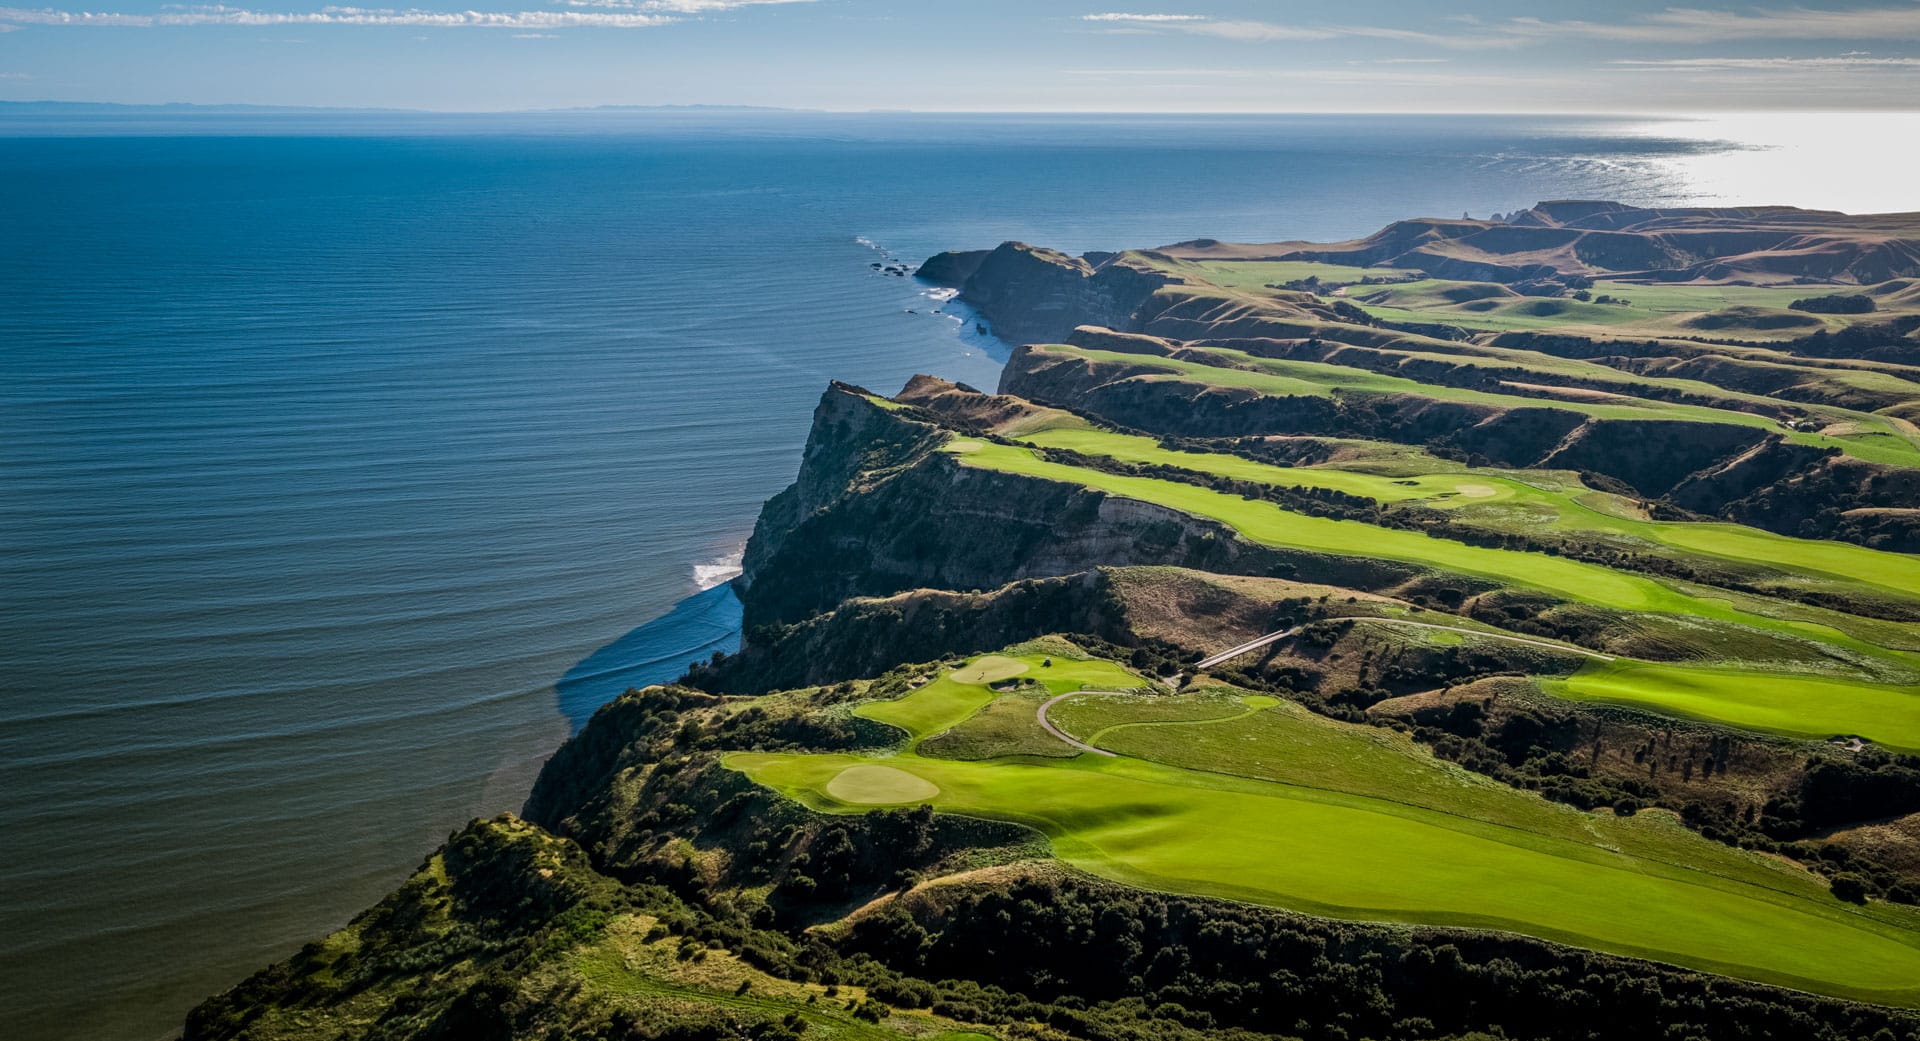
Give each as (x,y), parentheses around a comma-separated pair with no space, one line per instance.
(953,696)
(1443,301)
(1256,274)
(1895,573)
(1854,705)
(1279,807)
(1875,442)
(1781,703)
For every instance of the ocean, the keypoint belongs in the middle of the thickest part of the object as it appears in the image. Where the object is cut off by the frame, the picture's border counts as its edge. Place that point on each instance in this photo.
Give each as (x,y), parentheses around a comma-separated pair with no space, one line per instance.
(349,461)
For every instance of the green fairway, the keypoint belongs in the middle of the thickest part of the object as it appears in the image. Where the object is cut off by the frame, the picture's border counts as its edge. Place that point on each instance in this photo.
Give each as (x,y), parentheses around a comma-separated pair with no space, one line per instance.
(868,785)
(1856,705)
(1256,274)
(956,695)
(1794,705)
(1284,378)
(1266,523)
(1267,803)
(1889,573)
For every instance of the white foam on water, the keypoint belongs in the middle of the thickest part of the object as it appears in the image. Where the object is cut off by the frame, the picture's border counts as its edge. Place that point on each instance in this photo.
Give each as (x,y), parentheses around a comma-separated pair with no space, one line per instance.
(724,568)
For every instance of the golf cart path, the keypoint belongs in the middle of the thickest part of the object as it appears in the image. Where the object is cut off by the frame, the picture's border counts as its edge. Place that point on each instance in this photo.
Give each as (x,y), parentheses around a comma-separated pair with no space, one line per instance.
(1254,645)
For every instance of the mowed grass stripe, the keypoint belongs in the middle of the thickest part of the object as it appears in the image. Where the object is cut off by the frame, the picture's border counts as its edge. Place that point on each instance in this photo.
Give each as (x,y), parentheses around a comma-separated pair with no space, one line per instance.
(1184,831)
(1266,523)
(1869,568)
(1885,714)
(1288,378)
(1780,703)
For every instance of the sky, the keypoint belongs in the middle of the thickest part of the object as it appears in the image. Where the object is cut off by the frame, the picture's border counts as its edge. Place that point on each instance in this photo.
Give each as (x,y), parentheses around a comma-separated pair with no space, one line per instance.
(1627,56)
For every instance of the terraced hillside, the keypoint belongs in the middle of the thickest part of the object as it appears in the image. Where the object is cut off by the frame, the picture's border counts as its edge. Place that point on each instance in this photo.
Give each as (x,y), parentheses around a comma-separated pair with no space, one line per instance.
(1376,640)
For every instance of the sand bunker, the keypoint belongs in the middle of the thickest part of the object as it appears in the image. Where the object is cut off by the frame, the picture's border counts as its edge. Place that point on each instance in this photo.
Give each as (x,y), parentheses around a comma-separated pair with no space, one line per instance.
(1477,491)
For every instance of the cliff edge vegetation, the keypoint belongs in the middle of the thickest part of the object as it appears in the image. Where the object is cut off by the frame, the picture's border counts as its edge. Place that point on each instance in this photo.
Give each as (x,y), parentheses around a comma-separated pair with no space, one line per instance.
(1481,629)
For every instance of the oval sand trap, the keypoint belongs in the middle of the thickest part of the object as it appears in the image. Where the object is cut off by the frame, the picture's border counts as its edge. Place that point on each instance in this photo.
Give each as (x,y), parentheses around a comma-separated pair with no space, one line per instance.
(1477,491)
(880,786)
(991,668)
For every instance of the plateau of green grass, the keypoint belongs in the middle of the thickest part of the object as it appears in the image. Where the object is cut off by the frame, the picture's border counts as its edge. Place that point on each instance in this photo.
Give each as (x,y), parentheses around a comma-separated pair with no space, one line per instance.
(1257,274)
(1264,802)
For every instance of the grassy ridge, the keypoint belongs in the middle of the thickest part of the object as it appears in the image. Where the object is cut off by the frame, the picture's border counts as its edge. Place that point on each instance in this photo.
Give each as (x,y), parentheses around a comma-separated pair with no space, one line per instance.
(1384,834)
(1889,714)
(1875,441)
(1568,510)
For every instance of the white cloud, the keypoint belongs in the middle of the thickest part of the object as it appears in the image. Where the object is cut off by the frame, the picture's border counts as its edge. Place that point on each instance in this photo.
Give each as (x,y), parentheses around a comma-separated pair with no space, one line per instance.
(1145,18)
(709,6)
(1264,32)
(1847,61)
(1696,25)
(16,75)
(20,16)
(1681,25)
(633,14)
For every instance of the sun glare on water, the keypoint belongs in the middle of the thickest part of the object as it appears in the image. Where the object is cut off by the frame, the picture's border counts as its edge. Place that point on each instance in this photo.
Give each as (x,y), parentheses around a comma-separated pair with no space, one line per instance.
(1855,162)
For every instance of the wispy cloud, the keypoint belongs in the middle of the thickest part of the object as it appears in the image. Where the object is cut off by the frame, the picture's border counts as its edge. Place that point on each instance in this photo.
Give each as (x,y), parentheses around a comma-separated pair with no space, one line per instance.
(1675,25)
(1845,61)
(1697,25)
(1150,19)
(630,14)
(1263,32)
(16,75)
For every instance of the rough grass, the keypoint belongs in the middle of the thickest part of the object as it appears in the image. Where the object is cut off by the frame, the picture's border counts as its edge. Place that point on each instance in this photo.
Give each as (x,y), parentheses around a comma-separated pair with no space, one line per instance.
(1278,807)
(945,702)
(1007,726)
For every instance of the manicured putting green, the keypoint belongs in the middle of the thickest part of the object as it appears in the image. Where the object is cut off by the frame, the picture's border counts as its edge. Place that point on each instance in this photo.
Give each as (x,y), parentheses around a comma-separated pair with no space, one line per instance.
(879,786)
(990,668)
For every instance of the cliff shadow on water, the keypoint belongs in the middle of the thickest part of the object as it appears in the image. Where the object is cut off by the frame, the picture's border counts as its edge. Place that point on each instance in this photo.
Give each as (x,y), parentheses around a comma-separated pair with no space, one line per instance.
(656,652)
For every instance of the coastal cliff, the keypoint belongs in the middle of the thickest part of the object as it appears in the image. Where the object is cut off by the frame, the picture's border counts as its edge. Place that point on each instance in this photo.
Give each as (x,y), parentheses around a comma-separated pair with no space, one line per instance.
(1289,578)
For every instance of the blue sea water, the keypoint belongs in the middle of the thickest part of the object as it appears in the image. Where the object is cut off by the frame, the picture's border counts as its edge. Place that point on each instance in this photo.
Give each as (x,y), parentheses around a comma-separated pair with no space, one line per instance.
(347,463)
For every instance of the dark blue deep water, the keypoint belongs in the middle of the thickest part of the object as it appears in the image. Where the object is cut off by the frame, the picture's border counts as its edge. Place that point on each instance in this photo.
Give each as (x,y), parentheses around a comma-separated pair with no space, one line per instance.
(343,460)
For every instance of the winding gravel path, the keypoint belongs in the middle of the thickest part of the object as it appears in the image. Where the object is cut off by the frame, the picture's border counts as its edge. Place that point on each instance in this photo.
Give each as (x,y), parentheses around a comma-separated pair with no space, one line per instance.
(1254,645)
(1041,715)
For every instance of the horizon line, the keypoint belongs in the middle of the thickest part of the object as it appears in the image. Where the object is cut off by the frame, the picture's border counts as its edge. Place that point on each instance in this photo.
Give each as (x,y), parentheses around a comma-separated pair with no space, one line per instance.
(242,107)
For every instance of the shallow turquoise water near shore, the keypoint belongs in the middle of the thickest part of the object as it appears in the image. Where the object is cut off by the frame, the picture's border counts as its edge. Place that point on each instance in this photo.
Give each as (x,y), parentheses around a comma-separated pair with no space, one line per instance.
(342,462)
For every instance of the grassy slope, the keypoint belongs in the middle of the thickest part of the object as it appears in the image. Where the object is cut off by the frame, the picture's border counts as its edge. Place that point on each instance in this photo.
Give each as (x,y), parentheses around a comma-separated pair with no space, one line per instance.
(1884,713)
(1649,307)
(1283,378)
(1301,812)
(1575,509)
